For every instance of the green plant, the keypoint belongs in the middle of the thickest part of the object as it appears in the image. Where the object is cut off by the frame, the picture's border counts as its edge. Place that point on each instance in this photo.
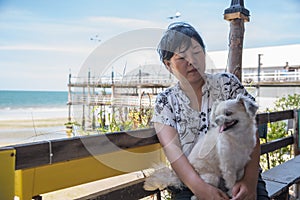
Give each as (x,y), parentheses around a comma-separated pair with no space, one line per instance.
(278,130)
(287,103)
(71,124)
(114,122)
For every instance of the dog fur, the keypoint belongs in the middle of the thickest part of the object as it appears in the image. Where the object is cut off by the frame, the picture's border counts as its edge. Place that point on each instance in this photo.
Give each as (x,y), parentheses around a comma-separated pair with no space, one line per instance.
(223,152)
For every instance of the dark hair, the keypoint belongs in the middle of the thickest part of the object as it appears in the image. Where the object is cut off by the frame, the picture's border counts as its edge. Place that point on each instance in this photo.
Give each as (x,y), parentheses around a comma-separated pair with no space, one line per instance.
(178,35)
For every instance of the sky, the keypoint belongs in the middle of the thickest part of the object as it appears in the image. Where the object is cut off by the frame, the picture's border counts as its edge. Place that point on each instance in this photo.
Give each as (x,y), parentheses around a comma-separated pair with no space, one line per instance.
(42,41)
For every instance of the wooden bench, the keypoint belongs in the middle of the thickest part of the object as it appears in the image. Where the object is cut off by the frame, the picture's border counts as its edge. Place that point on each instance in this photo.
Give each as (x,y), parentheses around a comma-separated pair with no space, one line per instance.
(281,177)
(129,191)
(277,188)
(30,170)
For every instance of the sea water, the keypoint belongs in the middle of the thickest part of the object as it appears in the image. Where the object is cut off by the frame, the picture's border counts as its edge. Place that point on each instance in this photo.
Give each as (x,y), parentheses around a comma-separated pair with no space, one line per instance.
(27,107)
(24,105)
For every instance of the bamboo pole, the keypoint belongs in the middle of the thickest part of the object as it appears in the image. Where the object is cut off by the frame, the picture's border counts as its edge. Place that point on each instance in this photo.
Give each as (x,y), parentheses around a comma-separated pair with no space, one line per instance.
(236,14)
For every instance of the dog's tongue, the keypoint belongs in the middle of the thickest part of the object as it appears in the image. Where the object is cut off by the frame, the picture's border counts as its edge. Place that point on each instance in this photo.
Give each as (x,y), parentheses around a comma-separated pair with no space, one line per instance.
(226,125)
(222,128)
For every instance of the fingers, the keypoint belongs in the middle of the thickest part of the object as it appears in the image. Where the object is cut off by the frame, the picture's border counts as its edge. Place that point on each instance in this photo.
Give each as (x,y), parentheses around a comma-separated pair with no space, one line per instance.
(223,195)
(235,190)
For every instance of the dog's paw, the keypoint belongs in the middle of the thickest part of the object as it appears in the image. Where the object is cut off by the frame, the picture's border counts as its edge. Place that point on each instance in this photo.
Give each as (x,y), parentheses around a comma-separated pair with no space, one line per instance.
(150,185)
(160,179)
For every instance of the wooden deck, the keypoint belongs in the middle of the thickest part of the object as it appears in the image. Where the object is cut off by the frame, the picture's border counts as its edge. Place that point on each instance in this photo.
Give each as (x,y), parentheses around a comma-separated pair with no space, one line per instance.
(30,170)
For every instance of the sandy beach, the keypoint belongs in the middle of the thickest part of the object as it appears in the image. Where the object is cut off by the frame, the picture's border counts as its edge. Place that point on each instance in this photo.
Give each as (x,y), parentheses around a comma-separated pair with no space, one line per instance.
(25,124)
(15,131)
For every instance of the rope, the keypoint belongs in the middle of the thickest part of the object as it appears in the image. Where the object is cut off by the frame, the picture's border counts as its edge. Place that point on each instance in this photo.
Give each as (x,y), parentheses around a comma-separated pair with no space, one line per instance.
(50,152)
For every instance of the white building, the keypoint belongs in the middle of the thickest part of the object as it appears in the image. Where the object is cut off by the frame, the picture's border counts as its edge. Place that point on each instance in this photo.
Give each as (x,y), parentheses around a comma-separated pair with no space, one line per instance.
(275,62)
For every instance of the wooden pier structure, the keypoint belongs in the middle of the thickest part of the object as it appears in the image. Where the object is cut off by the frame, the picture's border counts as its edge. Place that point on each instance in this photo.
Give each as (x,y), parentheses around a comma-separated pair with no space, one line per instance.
(89,97)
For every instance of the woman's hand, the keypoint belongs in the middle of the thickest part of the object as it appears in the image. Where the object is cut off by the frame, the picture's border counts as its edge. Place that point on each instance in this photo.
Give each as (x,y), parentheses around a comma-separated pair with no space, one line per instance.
(208,192)
(242,190)
(168,138)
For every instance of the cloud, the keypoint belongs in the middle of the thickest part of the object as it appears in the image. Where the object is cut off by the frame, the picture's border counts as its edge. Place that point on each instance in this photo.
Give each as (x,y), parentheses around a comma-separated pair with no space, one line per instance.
(124,22)
(35,47)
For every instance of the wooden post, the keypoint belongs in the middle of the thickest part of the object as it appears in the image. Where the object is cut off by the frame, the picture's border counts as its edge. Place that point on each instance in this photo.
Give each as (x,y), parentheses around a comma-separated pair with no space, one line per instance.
(69,98)
(236,14)
(83,108)
(296,132)
(88,103)
(7,173)
(297,145)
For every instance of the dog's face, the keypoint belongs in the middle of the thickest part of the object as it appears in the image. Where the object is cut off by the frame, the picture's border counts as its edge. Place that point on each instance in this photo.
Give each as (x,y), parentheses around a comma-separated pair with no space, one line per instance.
(233,113)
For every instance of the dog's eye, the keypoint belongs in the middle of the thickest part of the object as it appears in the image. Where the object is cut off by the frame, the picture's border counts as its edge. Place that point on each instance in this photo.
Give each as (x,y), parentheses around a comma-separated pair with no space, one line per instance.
(228,113)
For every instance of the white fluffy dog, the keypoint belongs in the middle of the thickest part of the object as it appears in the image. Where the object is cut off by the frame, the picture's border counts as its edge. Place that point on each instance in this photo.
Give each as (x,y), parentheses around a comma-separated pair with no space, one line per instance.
(223,152)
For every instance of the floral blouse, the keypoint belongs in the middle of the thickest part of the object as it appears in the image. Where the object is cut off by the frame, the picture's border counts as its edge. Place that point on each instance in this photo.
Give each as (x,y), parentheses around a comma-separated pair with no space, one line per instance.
(172,107)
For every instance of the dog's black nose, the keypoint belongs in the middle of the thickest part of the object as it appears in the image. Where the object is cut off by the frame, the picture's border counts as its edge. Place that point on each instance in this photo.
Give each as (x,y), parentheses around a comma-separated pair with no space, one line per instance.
(219,121)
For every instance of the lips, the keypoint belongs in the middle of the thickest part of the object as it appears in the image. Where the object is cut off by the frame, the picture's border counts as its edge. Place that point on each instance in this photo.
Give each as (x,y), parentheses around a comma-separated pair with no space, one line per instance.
(192,71)
(228,125)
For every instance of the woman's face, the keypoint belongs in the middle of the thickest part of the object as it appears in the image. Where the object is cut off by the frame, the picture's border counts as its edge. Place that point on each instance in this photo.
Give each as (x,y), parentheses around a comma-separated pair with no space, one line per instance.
(188,63)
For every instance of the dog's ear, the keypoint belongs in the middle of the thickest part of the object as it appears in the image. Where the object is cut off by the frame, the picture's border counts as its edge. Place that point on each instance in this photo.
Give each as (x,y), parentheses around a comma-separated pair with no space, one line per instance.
(250,106)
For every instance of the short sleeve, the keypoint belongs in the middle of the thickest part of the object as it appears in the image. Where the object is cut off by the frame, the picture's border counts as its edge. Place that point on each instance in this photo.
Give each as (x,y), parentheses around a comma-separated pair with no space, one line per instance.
(227,86)
(163,111)
(237,87)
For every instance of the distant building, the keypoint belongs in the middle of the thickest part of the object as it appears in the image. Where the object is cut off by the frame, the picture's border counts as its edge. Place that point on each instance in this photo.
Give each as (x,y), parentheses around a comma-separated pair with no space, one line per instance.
(276,61)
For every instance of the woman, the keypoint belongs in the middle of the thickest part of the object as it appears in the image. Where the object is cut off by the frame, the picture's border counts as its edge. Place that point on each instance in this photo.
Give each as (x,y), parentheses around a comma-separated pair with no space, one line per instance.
(181,114)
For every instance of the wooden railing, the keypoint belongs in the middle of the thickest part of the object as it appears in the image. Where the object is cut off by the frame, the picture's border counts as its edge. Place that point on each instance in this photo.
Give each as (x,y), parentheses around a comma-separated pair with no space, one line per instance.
(265,118)
(28,170)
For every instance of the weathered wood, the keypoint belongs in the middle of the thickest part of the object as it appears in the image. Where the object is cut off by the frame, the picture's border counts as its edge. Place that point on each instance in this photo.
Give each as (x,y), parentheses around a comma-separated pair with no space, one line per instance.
(236,14)
(276,144)
(287,172)
(296,132)
(128,191)
(276,189)
(236,38)
(37,154)
(279,178)
(274,116)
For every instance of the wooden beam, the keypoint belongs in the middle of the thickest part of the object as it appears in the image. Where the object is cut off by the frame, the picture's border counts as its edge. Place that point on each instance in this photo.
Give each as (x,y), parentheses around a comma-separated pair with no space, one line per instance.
(236,15)
(48,152)
(264,118)
(127,191)
(276,144)
(7,173)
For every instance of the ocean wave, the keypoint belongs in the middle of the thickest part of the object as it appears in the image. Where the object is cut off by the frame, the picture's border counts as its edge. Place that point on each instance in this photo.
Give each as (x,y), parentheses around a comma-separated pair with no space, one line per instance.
(9,113)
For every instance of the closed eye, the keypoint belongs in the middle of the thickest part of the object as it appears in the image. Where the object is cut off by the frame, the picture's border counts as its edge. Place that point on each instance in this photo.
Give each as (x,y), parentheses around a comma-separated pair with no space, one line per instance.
(179,57)
(228,113)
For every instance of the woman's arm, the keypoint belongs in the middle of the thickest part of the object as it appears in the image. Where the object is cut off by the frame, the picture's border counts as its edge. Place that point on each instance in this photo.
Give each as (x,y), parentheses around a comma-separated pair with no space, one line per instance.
(168,138)
(246,188)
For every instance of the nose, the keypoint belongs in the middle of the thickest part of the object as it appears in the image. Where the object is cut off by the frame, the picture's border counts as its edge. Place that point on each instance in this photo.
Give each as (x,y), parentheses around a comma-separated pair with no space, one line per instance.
(190,59)
(219,120)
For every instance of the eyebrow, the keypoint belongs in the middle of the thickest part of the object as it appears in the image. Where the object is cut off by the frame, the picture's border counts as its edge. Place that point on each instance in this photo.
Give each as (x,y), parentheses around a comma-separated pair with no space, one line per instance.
(197,47)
